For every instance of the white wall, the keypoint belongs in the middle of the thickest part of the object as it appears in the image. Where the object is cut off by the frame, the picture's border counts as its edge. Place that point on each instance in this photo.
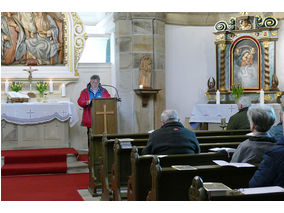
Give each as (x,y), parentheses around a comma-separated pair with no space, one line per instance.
(191,60)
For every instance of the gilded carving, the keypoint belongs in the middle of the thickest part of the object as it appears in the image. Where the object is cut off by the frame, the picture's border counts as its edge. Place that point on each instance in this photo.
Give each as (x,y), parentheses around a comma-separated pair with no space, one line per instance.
(267,97)
(80,38)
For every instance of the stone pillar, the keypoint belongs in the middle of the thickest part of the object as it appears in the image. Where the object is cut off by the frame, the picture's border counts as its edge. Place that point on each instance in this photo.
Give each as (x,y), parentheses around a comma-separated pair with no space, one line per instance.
(136,35)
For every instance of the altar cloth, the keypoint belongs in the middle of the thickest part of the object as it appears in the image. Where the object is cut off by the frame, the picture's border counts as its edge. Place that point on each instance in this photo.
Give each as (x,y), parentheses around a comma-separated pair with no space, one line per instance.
(36,113)
(212,113)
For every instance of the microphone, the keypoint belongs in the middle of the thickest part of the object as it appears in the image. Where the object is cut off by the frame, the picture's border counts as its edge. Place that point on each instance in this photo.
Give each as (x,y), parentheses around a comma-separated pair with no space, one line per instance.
(106,85)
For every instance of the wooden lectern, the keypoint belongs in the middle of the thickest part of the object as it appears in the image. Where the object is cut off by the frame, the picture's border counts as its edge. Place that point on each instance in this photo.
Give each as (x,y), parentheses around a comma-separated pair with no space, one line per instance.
(104,115)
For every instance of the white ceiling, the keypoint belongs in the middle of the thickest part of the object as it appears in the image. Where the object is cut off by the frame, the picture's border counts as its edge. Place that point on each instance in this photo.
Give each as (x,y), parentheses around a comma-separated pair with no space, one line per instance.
(92,18)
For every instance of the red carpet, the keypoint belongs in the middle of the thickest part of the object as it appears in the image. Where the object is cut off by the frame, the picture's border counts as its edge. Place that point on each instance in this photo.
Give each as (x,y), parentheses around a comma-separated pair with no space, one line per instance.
(59,187)
(35,161)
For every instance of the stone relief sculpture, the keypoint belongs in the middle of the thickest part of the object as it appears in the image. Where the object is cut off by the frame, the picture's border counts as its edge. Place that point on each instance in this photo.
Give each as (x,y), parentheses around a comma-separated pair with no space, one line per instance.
(31,35)
(145,72)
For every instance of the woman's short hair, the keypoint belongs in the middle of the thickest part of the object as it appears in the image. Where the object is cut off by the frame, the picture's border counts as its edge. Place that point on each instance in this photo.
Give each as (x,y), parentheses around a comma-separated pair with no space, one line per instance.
(169,115)
(93,77)
(261,116)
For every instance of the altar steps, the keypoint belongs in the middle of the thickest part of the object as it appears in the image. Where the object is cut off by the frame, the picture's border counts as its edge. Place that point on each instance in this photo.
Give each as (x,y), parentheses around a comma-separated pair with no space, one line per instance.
(41,161)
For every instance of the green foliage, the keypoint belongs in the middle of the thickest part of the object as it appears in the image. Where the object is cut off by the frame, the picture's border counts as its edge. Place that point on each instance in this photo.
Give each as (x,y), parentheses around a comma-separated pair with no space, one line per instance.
(41,87)
(237,90)
(16,86)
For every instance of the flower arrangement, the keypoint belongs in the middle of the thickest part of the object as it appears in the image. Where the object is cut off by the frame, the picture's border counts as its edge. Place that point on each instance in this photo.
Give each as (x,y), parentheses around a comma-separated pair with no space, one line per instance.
(41,87)
(237,90)
(16,86)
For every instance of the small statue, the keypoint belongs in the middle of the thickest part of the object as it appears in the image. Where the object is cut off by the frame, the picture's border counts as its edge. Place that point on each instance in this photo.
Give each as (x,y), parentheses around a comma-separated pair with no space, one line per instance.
(211,84)
(145,70)
(274,83)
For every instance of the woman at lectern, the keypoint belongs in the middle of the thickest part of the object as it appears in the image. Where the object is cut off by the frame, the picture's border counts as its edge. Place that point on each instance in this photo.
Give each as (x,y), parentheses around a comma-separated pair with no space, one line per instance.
(93,90)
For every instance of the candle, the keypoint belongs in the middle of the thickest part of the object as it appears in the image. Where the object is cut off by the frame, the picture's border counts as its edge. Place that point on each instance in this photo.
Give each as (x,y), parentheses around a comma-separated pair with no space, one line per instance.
(217,97)
(63,90)
(141,86)
(50,86)
(261,97)
(6,86)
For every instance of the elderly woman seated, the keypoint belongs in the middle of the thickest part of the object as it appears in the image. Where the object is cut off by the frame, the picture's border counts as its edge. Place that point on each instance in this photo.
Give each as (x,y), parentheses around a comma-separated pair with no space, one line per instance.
(261,118)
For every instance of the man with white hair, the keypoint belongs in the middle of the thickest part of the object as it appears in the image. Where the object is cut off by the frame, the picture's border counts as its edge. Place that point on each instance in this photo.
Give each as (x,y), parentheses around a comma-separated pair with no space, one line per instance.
(172,137)
(240,119)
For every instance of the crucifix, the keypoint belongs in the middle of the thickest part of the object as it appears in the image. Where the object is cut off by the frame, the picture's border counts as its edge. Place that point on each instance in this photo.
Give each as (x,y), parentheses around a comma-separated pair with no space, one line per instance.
(105,113)
(30,70)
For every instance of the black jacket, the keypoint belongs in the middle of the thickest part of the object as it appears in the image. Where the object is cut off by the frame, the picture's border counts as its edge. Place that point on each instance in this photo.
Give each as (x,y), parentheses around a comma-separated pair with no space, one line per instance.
(172,138)
(239,120)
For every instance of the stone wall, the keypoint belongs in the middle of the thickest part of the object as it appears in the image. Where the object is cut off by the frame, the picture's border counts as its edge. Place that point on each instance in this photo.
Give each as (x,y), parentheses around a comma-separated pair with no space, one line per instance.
(136,35)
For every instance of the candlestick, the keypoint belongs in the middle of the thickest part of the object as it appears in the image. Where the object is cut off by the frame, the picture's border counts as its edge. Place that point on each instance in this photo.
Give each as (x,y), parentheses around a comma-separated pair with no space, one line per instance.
(63,90)
(50,86)
(217,97)
(261,97)
(141,86)
(6,86)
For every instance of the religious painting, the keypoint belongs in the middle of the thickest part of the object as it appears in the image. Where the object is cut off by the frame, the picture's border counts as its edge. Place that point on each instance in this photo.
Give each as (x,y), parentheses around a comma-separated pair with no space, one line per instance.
(32,37)
(245,66)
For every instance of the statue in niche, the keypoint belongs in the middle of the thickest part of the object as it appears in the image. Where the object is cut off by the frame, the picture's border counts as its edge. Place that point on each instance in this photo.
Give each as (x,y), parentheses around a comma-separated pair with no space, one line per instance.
(145,72)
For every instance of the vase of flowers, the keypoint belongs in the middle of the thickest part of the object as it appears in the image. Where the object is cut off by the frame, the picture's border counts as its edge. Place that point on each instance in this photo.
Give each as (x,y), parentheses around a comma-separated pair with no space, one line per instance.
(41,87)
(238,91)
(16,86)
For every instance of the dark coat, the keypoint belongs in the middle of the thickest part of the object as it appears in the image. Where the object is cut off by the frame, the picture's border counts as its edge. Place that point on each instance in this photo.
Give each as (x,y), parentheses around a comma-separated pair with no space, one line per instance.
(271,170)
(172,138)
(239,120)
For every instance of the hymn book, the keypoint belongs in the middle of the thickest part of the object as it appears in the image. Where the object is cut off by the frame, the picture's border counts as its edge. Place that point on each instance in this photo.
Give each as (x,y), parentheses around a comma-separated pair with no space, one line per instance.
(216,188)
(225,163)
(183,167)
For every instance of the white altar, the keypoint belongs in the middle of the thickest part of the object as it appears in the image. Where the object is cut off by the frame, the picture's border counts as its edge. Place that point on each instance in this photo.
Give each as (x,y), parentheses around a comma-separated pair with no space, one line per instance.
(212,113)
(37,125)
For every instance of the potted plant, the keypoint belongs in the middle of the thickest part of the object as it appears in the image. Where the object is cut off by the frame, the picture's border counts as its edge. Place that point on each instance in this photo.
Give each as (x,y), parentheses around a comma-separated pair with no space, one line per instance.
(41,87)
(16,86)
(237,90)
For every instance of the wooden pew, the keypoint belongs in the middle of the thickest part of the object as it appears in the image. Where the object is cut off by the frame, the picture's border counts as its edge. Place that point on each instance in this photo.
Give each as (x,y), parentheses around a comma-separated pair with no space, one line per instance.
(107,164)
(115,170)
(95,157)
(199,193)
(180,180)
(139,182)
(96,150)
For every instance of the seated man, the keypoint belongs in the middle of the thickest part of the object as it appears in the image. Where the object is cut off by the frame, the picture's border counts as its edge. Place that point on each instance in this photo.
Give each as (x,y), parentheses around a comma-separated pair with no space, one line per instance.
(172,137)
(261,118)
(277,131)
(271,170)
(240,119)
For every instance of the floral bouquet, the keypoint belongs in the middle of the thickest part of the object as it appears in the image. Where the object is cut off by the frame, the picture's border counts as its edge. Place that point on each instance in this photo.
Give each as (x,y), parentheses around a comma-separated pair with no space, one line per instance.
(237,90)
(16,86)
(41,87)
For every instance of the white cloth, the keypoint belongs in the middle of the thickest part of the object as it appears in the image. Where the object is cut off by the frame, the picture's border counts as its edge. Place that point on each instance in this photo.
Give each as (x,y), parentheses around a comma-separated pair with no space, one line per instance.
(34,113)
(212,113)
